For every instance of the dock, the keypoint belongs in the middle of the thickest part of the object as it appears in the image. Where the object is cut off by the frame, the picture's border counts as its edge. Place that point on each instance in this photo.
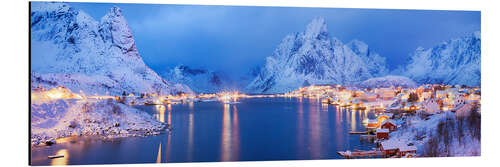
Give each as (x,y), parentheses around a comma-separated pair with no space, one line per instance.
(355,154)
(359,133)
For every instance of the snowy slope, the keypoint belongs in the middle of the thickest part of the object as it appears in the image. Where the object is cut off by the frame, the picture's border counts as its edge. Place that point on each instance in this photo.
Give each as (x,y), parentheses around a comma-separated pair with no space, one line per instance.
(71,49)
(310,57)
(388,81)
(69,117)
(375,63)
(199,80)
(457,61)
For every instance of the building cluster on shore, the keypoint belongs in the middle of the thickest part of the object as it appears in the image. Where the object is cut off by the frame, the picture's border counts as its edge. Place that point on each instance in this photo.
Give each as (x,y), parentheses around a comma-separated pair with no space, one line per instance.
(391,104)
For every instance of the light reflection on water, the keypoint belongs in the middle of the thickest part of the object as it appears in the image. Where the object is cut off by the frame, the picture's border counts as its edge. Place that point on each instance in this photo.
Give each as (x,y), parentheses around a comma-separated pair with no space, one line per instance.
(314,130)
(158,158)
(229,136)
(225,144)
(353,120)
(61,160)
(214,132)
(300,127)
(190,137)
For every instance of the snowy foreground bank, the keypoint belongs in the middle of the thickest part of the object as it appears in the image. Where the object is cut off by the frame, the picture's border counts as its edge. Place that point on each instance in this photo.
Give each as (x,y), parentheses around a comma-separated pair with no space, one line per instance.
(88,117)
(442,135)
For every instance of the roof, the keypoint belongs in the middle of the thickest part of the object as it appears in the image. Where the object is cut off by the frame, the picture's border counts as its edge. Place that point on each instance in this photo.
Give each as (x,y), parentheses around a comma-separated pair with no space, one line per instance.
(392,145)
(388,121)
(387,114)
(382,131)
(407,148)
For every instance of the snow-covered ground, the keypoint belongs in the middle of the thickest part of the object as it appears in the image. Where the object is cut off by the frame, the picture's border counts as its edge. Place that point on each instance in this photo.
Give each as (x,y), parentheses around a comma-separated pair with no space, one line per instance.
(88,117)
(439,135)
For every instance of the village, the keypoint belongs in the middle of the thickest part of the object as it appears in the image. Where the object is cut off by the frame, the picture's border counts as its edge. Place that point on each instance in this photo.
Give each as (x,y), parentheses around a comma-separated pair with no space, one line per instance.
(392,106)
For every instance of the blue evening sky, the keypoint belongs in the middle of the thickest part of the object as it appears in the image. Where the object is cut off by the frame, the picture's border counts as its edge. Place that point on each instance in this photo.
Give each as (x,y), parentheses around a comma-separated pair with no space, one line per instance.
(234,39)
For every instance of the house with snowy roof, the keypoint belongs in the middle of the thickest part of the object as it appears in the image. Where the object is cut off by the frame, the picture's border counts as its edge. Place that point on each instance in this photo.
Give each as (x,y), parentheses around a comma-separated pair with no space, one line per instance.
(430,106)
(407,150)
(396,147)
(389,125)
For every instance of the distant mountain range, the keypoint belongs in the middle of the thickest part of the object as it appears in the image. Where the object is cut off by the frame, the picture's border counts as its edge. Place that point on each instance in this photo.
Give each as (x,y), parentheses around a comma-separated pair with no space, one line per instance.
(457,61)
(200,80)
(69,48)
(313,57)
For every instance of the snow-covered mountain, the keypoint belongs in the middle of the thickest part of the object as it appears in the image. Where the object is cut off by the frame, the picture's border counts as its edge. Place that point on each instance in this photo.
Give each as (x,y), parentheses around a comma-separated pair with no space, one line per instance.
(375,63)
(388,81)
(69,48)
(457,61)
(312,57)
(200,80)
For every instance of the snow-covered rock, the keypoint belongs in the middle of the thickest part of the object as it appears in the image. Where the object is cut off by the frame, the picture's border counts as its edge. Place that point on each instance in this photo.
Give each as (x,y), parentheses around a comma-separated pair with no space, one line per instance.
(69,48)
(71,117)
(388,81)
(313,57)
(457,61)
(199,80)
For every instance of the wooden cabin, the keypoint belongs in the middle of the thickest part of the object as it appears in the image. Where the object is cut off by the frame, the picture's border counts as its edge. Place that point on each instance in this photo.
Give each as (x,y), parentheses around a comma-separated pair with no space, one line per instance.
(382,134)
(391,148)
(405,150)
(389,125)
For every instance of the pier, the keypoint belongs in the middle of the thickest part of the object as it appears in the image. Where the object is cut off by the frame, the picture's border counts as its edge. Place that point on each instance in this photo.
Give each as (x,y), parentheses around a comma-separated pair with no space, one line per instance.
(359,133)
(356,154)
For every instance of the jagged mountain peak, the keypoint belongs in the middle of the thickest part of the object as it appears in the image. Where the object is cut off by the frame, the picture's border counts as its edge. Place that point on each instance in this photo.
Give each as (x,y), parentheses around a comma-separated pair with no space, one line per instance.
(375,63)
(116,31)
(316,29)
(71,49)
(309,57)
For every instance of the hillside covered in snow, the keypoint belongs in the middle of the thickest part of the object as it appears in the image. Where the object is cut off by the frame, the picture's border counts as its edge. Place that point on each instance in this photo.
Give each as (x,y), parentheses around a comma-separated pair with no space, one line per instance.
(457,61)
(71,49)
(388,81)
(313,57)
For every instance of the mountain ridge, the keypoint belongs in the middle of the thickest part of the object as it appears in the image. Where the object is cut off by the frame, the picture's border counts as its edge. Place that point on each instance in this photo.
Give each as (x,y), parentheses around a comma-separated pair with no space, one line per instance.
(72,49)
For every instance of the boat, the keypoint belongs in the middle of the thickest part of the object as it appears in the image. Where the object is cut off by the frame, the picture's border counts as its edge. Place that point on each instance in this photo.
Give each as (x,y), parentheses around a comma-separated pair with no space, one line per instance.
(55,156)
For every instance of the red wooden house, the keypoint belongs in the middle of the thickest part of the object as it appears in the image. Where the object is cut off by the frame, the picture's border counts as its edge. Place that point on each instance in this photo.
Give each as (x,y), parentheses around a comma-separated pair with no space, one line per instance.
(388,124)
(382,134)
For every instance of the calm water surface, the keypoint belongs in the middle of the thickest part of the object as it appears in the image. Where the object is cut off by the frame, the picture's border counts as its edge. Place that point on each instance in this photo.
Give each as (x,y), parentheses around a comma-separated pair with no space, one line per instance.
(255,129)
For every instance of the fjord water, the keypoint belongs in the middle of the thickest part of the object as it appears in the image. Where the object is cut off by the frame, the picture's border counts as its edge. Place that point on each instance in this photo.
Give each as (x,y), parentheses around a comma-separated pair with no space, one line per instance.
(254,129)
